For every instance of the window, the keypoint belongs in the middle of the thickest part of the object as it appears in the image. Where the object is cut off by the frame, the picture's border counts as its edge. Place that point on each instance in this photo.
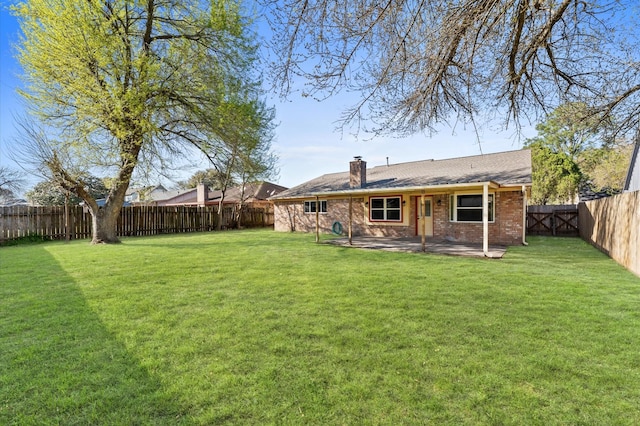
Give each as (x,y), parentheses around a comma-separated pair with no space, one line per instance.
(468,208)
(310,206)
(385,209)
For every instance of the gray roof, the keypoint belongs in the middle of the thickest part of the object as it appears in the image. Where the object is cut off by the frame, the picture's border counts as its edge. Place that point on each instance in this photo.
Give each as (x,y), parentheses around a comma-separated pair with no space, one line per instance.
(505,169)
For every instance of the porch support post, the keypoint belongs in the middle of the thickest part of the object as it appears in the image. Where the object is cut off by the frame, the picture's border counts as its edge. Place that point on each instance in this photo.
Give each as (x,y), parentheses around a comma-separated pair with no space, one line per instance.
(524,215)
(485,219)
(317,219)
(423,223)
(350,217)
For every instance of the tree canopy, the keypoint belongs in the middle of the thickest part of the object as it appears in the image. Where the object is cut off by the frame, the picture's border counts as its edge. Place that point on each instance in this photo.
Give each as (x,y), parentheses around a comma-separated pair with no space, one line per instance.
(209,177)
(118,83)
(10,180)
(571,153)
(556,177)
(49,193)
(417,64)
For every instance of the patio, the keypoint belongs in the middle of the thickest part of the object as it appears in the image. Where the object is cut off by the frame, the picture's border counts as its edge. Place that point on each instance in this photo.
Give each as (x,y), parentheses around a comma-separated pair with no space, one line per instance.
(414,245)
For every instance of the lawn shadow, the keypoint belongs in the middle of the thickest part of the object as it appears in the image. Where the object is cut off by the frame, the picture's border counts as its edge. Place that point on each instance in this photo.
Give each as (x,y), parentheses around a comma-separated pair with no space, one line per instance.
(58,363)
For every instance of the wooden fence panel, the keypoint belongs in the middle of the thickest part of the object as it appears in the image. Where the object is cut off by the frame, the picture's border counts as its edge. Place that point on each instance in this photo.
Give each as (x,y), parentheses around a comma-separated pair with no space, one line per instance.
(612,224)
(49,222)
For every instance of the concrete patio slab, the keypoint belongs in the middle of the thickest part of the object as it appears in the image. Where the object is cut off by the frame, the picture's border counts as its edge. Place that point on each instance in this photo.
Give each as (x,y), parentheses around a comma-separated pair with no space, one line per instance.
(414,245)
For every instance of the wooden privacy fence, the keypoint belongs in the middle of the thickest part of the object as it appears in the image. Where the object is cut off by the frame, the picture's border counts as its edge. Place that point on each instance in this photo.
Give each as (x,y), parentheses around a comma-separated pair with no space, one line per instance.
(552,220)
(50,222)
(612,225)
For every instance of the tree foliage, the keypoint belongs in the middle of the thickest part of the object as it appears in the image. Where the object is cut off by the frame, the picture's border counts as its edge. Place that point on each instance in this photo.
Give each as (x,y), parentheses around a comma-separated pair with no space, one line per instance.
(571,153)
(416,64)
(119,82)
(556,177)
(605,168)
(49,193)
(209,177)
(566,131)
(10,180)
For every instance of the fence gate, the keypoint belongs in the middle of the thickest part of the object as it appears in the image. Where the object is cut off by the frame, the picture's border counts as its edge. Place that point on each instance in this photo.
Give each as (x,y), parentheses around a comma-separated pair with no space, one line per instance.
(552,220)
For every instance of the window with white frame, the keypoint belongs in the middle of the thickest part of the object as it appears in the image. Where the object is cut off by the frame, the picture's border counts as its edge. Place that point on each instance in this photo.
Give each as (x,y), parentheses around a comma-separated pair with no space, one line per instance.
(385,209)
(310,206)
(468,208)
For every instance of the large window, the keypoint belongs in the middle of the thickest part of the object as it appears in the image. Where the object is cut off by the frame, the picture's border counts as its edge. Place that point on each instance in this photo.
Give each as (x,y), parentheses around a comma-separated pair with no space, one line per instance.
(388,209)
(468,208)
(310,206)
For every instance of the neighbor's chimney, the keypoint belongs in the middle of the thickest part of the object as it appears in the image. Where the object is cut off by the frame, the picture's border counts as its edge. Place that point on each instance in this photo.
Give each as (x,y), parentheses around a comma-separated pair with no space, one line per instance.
(202,194)
(357,173)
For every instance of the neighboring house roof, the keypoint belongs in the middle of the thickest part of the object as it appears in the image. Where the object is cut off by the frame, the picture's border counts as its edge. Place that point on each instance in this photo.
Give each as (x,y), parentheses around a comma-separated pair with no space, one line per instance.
(102,201)
(587,194)
(148,194)
(255,191)
(511,168)
(632,183)
(13,202)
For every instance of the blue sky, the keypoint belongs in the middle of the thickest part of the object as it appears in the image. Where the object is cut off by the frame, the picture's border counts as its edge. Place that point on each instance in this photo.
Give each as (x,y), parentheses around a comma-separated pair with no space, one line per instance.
(306,140)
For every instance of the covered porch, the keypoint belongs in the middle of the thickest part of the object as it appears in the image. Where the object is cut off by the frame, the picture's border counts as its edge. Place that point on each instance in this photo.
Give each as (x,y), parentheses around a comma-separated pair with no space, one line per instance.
(415,245)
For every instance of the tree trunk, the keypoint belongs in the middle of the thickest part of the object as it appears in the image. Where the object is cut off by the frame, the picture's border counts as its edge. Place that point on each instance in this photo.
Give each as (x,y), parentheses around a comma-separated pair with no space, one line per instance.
(220,212)
(104,225)
(105,218)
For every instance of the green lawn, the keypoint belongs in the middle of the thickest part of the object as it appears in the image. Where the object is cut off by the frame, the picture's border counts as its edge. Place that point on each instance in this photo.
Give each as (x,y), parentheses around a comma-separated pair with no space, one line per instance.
(257,327)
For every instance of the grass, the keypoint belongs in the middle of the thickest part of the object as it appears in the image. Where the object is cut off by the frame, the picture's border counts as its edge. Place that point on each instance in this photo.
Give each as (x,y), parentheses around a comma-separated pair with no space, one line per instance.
(257,327)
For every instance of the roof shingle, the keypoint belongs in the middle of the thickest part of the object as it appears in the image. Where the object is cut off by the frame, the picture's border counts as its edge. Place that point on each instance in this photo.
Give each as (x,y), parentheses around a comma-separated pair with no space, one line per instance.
(504,168)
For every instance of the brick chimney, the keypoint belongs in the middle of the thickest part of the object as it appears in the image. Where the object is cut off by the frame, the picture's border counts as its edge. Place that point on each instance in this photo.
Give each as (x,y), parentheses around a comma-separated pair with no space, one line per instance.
(357,173)
(202,194)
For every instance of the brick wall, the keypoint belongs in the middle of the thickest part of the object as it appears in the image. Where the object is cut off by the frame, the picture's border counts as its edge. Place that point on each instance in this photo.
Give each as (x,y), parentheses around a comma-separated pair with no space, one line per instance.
(290,216)
(507,228)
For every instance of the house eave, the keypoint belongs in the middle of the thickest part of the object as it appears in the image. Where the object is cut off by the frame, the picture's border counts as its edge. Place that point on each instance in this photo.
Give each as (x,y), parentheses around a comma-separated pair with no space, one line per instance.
(417,189)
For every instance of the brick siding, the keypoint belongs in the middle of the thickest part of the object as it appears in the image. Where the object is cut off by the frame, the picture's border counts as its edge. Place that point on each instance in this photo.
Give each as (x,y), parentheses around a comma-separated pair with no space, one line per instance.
(506,229)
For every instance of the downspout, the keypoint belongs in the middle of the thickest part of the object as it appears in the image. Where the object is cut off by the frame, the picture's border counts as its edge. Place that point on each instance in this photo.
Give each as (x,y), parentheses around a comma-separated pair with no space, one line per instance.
(524,216)
(485,219)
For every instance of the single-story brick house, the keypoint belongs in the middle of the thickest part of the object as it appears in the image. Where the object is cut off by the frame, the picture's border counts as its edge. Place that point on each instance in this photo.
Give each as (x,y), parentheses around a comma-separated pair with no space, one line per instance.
(477,199)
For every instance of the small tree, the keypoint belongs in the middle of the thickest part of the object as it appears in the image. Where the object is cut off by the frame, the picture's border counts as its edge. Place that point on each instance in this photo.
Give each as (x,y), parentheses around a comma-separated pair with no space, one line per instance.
(248,147)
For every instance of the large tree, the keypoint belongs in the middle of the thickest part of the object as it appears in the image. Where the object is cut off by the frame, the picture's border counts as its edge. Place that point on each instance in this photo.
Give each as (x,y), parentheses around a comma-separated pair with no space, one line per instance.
(117,82)
(418,63)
